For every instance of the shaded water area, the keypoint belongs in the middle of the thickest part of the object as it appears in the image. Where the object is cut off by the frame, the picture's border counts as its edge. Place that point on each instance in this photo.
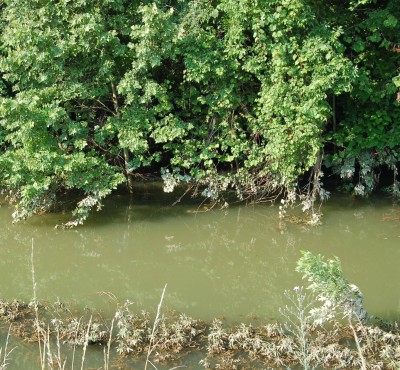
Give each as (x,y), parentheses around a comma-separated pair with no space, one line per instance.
(233,263)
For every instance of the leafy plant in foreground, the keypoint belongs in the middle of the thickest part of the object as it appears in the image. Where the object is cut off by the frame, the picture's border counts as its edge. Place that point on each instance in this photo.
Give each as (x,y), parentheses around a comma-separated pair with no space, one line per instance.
(335,292)
(299,321)
(331,288)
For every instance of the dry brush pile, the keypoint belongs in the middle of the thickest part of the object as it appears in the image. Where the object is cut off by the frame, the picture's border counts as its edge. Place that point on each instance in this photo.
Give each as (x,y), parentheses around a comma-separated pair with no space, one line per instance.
(176,336)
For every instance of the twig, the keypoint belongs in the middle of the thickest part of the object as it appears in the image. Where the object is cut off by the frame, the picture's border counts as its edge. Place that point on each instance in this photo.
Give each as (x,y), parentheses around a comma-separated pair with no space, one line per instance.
(190,187)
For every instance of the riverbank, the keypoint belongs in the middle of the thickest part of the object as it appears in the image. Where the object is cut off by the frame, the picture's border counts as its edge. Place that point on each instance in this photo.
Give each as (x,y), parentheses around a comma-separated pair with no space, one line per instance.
(172,339)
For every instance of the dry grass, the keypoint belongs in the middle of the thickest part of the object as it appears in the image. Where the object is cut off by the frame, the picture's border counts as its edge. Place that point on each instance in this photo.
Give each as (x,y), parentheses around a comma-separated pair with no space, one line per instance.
(169,339)
(5,352)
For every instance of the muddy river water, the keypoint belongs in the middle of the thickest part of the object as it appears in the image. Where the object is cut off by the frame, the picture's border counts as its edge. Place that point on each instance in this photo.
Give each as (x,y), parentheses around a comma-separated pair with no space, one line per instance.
(233,263)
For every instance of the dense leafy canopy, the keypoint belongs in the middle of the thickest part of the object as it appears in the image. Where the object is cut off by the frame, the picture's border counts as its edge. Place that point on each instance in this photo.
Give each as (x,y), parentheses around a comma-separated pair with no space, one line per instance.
(249,95)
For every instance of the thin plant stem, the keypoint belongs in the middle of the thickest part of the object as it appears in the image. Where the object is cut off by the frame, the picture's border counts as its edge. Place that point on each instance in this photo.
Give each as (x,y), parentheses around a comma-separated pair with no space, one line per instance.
(362,358)
(74,347)
(36,308)
(61,364)
(155,324)
(46,344)
(155,367)
(3,366)
(172,368)
(58,349)
(107,356)
(86,342)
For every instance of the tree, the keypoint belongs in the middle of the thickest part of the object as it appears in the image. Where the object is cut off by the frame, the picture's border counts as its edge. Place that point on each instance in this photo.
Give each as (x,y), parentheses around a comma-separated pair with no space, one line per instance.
(61,60)
(255,96)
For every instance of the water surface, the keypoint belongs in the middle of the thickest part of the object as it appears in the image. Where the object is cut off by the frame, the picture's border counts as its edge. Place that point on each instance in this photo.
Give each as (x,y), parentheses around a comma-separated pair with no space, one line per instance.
(233,263)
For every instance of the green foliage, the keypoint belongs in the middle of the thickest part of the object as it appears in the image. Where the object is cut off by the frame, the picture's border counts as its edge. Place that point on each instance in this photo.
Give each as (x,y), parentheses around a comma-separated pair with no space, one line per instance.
(330,286)
(370,113)
(243,95)
(60,58)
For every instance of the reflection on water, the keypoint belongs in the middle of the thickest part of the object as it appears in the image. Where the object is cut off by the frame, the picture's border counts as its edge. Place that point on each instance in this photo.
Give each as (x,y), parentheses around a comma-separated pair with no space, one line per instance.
(234,262)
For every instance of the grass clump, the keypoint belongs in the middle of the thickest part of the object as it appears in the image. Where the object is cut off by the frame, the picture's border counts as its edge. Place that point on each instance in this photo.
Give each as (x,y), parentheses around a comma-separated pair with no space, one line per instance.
(11,311)
(170,336)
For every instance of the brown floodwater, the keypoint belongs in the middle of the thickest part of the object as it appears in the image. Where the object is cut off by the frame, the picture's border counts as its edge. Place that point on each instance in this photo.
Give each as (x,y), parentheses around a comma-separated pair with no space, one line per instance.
(233,263)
